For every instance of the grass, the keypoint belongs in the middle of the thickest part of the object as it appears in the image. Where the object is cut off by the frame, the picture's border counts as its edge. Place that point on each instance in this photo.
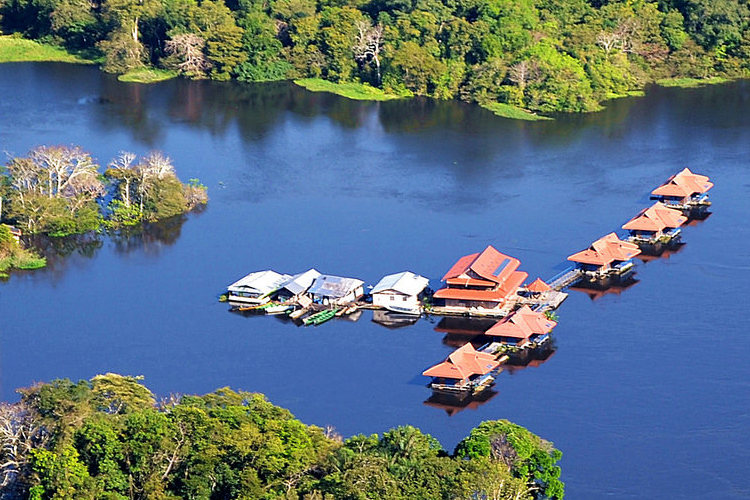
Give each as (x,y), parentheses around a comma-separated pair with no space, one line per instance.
(356,91)
(147,75)
(514,112)
(14,49)
(690,83)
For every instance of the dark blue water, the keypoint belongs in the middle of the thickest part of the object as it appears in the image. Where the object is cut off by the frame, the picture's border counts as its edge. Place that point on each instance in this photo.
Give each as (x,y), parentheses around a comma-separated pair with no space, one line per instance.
(648,392)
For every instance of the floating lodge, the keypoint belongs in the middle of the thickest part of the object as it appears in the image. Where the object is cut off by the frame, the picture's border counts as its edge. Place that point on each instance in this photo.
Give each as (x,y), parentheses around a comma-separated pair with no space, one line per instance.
(507,317)
(685,191)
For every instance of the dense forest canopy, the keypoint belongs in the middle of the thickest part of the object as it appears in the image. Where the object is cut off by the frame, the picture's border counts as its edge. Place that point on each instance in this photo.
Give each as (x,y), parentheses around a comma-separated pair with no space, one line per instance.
(108,438)
(543,55)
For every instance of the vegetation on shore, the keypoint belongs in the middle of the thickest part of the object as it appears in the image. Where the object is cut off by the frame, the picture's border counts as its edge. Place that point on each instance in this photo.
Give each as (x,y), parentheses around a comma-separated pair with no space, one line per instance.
(689,83)
(147,75)
(61,191)
(16,49)
(352,90)
(544,56)
(15,256)
(109,438)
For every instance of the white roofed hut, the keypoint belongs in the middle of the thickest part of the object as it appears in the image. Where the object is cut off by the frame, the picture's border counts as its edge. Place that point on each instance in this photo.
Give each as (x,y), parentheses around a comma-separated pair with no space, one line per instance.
(297,285)
(256,288)
(400,292)
(335,290)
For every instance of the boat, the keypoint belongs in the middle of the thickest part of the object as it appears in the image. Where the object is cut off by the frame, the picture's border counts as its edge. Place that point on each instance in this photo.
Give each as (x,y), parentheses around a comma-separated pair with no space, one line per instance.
(279,308)
(415,311)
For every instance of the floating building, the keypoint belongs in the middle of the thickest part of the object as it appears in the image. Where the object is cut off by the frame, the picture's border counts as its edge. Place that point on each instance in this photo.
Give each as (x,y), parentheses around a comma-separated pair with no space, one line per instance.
(685,191)
(607,256)
(480,283)
(465,370)
(256,288)
(400,292)
(523,328)
(655,224)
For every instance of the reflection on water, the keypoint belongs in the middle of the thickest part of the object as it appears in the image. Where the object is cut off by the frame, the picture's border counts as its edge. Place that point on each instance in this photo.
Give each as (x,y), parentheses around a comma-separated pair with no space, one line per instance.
(531,358)
(454,403)
(596,290)
(393,320)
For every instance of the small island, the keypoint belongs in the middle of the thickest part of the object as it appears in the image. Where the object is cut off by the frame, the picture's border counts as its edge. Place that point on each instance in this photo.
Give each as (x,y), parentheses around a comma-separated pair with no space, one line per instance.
(108,437)
(60,191)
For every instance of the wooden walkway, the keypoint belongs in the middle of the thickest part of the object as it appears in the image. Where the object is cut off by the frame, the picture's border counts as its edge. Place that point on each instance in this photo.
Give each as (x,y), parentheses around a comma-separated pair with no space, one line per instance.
(565,279)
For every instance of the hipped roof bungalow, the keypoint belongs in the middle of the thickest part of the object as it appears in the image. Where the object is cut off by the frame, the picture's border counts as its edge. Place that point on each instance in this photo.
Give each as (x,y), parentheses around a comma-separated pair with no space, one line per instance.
(683,184)
(605,251)
(655,218)
(489,276)
(463,363)
(522,325)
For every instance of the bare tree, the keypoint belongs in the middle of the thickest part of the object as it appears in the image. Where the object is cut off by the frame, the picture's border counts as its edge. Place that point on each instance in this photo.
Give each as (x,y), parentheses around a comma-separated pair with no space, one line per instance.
(188,47)
(64,168)
(20,432)
(368,44)
(625,37)
(608,41)
(522,72)
(123,169)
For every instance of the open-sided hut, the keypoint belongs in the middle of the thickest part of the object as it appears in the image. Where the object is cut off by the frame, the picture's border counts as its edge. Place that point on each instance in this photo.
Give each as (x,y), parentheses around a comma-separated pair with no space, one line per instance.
(606,256)
(522,328)
(464,370)
(655,224)
(685,191)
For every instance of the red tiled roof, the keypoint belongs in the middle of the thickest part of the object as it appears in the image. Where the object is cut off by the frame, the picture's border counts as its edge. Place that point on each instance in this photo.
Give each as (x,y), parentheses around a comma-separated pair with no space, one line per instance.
(606,250)
(684,183)
(538,286)
(499,294)
(461,293)
(490,265)
(463,363)
(655,218)
(522,324)
(469,282)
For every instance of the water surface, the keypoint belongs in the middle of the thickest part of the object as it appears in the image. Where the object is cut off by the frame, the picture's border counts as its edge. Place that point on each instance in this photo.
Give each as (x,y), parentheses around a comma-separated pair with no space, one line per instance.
(647,393)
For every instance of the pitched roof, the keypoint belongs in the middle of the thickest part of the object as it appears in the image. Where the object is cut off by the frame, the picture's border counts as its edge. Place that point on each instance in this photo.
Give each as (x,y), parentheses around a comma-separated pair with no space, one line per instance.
(489,265)
(406,283)
(498,294)
(538,286)
(334,286)
(522,324)
(655,218)
(684,183)
(606,250)
(463,363)
(261,282)
(299,283)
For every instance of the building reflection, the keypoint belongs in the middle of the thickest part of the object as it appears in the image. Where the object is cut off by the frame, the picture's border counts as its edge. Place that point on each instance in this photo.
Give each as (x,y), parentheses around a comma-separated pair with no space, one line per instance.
(530,358)
(459,329)
(393,320)
(597,290)
(454,403)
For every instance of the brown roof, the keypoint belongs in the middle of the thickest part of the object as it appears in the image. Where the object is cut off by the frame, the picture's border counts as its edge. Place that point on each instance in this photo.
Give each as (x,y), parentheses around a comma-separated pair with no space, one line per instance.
(655,218)
(606,250)
(684,183)
(522,324)
(463,363)
(538,286)
(489,265)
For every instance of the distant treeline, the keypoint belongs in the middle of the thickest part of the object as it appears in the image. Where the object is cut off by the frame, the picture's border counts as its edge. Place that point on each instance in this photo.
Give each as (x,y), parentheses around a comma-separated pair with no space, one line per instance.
(61,191)
(543,55)
(108,438)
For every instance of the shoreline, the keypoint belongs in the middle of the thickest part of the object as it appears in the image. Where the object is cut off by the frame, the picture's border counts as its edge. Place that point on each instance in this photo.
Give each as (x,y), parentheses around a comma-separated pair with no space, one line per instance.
(17,49)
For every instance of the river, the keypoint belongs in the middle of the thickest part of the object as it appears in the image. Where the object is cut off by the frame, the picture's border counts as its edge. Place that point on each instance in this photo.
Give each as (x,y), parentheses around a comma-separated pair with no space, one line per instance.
(648,391)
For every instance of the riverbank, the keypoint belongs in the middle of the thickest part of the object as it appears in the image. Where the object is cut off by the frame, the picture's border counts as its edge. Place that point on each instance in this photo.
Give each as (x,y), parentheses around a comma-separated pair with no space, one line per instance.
(350,90)
(14,49)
